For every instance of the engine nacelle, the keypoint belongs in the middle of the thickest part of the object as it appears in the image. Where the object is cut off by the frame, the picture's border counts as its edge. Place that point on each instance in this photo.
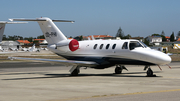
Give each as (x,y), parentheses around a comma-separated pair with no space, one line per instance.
(68,45)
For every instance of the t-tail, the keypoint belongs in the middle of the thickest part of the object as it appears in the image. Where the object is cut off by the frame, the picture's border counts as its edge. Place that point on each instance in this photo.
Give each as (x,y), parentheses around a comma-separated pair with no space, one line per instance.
(51,32)
(55,38)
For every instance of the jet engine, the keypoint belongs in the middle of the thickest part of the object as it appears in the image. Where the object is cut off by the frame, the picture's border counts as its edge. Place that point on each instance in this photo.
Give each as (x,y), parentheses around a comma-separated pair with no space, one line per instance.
(67,45)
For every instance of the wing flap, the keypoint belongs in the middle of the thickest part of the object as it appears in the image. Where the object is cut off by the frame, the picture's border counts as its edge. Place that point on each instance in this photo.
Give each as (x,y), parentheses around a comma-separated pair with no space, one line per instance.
(65,62)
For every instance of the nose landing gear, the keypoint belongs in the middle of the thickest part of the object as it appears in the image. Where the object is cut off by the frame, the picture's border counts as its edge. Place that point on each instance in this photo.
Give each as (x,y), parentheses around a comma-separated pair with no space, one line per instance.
(149,71)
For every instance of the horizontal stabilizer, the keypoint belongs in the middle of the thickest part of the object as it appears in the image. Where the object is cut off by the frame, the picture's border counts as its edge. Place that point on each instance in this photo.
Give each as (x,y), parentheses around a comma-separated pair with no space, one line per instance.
(5,22)
(40,19)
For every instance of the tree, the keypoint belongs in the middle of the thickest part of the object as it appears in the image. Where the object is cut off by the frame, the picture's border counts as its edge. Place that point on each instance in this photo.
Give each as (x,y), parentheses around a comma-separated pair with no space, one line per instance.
(120,33)
(127,36)
(4,37)
(146,41)
(79,38)
(41,37)
(162,33)
(178,34)
(30,39)
(172,37)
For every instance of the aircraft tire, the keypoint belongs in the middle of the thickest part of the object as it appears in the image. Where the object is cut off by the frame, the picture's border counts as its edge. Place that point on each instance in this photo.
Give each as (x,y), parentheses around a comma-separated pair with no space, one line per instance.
(75,72)
(118,70)
(149,72)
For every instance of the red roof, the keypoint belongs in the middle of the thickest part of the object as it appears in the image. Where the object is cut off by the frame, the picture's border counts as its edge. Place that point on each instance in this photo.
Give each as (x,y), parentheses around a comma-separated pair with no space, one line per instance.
(23,41)
(178,39)
(167,37)
(70,38)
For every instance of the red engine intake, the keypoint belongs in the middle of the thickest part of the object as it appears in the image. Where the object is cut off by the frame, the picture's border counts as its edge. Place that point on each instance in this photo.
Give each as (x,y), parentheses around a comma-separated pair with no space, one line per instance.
(73,45)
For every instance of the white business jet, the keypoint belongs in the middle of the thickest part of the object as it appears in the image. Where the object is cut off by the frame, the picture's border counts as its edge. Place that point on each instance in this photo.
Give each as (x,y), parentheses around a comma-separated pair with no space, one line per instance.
(98,54)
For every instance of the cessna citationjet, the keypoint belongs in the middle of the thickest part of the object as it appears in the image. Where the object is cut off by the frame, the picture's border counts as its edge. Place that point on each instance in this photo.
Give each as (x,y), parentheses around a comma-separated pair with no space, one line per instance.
(98,54)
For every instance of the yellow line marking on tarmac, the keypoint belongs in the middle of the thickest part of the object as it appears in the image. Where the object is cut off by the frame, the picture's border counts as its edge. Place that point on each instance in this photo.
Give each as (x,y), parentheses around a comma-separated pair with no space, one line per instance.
(172,90)
(99,96)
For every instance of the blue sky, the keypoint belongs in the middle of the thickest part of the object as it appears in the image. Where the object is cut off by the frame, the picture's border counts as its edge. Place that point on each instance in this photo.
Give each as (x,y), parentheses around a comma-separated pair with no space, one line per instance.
(95,17)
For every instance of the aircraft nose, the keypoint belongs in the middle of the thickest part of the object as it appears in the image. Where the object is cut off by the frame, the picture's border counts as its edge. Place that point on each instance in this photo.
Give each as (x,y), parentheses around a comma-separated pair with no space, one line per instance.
(164,59)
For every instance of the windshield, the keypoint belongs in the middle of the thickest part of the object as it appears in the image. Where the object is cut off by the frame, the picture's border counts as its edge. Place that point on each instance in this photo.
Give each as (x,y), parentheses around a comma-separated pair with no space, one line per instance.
(134,44)
(143,44)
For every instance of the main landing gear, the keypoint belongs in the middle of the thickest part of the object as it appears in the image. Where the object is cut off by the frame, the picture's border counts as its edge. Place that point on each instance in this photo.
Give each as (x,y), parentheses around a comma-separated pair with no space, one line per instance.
(74,70)
(119,68)
(149,71)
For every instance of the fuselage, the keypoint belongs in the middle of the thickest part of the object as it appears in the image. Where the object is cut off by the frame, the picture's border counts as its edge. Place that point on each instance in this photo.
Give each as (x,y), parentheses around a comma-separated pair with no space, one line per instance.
(113,52)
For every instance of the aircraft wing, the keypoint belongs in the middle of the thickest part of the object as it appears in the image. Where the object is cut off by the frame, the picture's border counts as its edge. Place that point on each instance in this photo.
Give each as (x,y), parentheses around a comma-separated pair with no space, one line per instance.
(65,62)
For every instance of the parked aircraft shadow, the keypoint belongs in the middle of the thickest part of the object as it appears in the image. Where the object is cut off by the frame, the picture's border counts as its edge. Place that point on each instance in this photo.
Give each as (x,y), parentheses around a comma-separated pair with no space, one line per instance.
(82,75)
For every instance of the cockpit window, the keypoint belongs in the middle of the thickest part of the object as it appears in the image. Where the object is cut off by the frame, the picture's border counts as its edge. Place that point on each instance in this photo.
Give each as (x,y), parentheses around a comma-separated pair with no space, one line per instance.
(125,45)
(134,44)
(143,44)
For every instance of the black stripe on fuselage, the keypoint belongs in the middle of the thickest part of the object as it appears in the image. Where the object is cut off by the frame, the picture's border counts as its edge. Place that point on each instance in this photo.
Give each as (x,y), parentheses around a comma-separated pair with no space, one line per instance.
(108,61)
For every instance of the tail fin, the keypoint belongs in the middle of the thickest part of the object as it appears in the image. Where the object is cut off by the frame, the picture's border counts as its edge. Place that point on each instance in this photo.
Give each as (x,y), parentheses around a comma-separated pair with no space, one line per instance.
(51,32)
(2,27)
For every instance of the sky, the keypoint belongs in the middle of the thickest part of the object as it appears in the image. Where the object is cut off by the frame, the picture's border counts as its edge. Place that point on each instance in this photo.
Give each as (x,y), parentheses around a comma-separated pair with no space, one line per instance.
(94,17)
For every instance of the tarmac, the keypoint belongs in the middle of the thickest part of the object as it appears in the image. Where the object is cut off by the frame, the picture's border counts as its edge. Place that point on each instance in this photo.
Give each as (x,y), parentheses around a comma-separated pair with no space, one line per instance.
(36,81)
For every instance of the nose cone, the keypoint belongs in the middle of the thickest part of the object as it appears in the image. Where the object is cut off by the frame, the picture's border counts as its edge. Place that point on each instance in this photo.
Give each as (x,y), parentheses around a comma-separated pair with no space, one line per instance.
(164,59)
(161,58)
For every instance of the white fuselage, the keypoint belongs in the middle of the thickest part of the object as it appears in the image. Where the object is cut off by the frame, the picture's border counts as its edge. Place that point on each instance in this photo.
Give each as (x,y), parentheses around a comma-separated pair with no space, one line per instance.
(113,50)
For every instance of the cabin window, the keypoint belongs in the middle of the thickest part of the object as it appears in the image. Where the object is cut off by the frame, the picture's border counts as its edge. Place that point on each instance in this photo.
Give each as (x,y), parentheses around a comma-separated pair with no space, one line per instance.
(95,46)
(125,45)
(114,46)
(134,44)
(107,46)
(101,46)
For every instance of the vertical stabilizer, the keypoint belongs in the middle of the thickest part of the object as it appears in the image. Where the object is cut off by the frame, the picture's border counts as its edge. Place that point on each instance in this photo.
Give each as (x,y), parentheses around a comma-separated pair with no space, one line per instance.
(2,27)
(51,32)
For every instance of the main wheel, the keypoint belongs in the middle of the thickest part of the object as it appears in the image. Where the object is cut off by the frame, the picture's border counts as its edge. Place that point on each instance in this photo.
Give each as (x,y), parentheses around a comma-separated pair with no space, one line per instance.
(118,70)
(75,72)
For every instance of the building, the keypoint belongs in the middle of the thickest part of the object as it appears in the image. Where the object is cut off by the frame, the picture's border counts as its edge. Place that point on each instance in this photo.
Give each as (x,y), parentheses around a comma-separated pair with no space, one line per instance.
(39,40)
(154,40)
(167,38)
(23,42)
(178,39)
(10,45)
